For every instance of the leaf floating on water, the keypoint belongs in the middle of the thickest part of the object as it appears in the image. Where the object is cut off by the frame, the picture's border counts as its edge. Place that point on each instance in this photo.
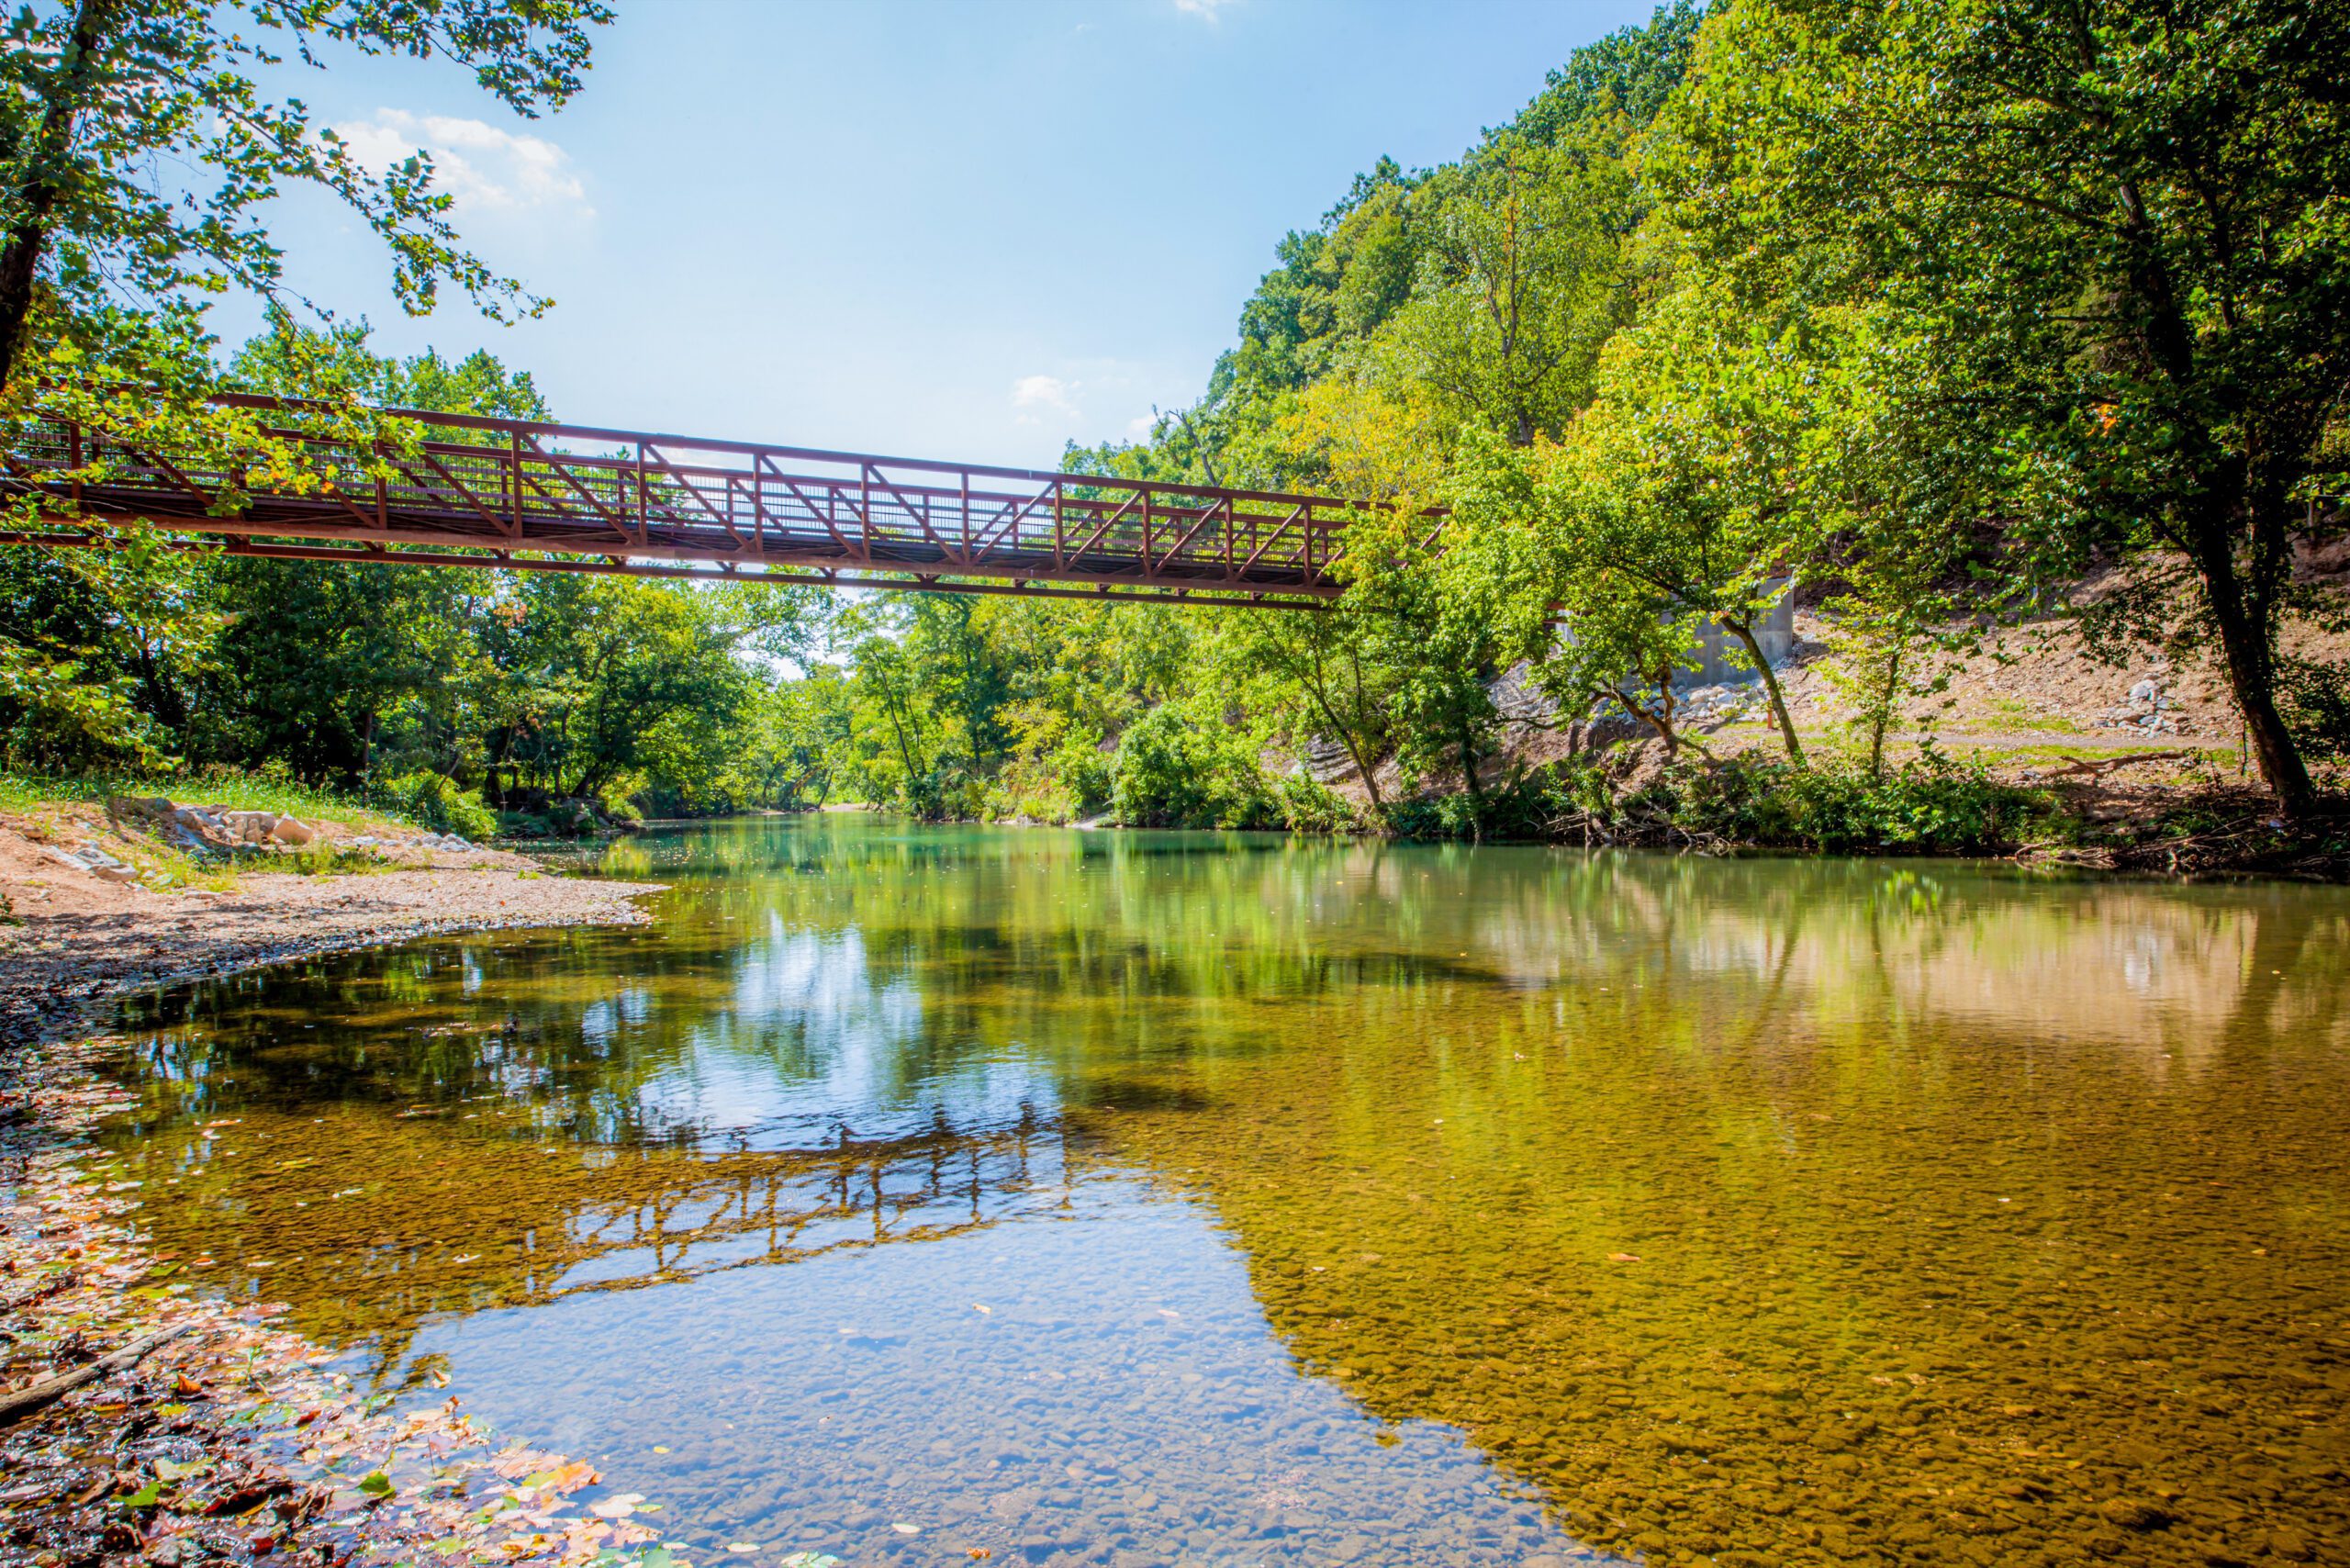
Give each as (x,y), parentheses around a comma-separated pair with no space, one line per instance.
(809,1560)
(978,1554)
(570,1477)
(904,1529)
(375,1483)
(742,1546)
(619,1507)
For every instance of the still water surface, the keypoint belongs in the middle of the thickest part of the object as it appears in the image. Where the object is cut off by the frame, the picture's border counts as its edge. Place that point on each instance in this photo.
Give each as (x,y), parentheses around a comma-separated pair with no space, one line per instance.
(1143,1199)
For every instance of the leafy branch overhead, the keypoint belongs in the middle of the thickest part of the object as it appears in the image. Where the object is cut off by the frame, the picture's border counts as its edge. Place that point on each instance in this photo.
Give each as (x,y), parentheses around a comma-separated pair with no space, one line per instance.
(143,139)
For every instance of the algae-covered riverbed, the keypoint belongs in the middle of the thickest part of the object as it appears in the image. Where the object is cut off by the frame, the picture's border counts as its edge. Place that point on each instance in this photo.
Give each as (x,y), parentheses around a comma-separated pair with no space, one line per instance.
(902,1192)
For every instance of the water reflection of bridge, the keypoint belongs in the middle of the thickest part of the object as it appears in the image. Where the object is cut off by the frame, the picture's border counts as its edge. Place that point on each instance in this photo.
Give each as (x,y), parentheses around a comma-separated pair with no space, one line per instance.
(443,1226)
(744,1210)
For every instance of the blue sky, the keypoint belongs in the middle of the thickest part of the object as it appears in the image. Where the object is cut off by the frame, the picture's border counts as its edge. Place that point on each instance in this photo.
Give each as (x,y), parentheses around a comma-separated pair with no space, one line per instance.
(961,229)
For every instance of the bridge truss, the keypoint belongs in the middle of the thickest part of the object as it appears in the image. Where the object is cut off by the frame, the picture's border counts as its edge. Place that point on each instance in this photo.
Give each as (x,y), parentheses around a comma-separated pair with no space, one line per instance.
(455,491)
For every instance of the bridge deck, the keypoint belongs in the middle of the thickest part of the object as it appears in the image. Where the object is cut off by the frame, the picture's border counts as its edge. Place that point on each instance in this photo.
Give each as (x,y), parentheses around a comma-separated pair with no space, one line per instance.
(470,491)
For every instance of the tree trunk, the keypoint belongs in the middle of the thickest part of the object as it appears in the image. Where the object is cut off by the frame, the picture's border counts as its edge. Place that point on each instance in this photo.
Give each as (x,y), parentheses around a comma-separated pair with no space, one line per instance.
(904,755)
(1354,751)
(44,178)
(1662,726)
(1466,741)
(2245,644)
(1745,635)
(2241,610)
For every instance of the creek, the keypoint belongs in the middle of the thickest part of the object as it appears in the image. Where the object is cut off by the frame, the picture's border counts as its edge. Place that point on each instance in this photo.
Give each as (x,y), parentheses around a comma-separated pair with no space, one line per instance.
(906,1192)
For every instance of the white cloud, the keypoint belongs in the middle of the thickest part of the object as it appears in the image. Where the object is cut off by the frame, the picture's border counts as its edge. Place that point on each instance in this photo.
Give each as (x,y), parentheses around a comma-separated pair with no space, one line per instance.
(1036,394)
(480,164)
(1089,401)
(1207,10)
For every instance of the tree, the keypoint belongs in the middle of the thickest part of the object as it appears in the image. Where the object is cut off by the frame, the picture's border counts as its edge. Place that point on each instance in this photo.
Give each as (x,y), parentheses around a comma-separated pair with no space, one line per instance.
(1436,620)
(336,667)
(1524,278)
(1593,633)
(98,652)
(2121,225)
(1887,643)
(1721,452)
(649,668)
(138,151)
(1319,674)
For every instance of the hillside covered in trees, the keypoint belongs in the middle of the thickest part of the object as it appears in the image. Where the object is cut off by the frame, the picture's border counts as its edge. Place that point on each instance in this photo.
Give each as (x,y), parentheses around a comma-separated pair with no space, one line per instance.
(1926,315)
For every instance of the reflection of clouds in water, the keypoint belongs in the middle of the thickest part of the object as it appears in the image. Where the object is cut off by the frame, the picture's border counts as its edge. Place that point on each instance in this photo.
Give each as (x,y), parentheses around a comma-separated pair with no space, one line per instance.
(822,984)
(601,1023)
(814,1030)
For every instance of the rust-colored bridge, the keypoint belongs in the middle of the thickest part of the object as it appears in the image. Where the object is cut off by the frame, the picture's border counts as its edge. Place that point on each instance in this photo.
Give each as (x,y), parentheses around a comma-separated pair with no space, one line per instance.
(448,490)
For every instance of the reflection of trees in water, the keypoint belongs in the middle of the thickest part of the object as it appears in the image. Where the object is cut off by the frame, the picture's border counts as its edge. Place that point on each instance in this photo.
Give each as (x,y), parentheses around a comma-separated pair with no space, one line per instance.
(1433,1091)
(993,925)
(1735,1241)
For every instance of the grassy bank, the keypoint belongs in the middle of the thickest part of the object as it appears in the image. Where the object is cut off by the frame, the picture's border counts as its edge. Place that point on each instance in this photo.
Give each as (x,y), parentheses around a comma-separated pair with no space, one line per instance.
(28,793)
(77,813)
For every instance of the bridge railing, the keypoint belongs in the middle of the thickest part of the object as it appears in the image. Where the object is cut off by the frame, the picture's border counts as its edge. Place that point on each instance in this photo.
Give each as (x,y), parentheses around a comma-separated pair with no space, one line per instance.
(516,493)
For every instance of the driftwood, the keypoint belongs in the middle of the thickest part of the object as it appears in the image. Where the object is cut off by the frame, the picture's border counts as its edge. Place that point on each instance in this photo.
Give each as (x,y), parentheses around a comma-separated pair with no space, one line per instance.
(21,1403)
(2099,766)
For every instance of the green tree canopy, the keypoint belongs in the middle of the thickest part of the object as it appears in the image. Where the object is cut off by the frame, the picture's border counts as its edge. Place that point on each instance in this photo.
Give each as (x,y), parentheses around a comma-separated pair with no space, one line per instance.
(2123,227)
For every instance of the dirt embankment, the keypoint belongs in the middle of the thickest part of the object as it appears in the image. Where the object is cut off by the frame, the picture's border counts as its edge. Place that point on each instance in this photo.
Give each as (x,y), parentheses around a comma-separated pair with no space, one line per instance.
(77,934)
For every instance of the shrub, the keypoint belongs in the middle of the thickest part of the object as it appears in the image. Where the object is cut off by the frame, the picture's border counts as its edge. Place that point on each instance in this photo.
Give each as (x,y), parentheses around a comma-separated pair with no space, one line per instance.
(2316,701)
(946,793)
(1932,805)
(438,802)
(1307,805)
(1170,773)
(1529,805)
(1083,770)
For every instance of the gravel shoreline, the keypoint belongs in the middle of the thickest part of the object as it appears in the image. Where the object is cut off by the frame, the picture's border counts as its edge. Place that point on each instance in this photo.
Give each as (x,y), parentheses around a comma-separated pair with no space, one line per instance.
(57,962)
(228,1439)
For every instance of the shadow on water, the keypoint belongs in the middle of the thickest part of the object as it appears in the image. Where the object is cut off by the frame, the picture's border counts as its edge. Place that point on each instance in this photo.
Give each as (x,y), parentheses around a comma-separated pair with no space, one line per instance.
(1331,1202)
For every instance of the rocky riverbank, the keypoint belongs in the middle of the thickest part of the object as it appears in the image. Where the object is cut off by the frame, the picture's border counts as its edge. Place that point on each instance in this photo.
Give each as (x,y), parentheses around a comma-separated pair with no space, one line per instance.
(140,1421)
(79,928)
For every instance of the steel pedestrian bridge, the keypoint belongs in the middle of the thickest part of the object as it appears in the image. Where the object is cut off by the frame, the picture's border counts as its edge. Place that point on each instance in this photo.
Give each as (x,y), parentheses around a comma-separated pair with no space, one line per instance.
(433,490)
